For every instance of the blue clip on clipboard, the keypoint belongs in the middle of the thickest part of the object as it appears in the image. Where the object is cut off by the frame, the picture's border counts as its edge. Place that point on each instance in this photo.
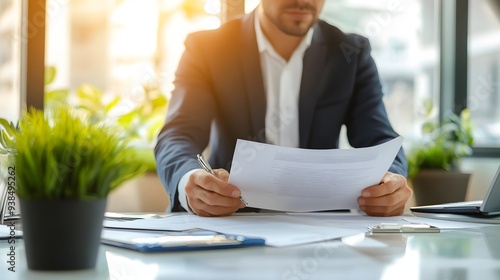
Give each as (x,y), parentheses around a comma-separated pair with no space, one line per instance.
(180,241)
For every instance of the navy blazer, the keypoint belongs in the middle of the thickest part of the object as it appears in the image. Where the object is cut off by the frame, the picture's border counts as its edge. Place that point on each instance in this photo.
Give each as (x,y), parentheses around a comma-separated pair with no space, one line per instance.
(219,97)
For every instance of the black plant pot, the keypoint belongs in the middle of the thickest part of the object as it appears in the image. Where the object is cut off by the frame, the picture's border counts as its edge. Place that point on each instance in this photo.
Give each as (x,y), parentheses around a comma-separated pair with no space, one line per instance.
(62,234)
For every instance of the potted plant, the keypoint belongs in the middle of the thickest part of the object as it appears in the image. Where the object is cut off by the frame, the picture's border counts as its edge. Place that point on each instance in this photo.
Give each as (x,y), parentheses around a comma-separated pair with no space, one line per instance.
(433,159)
(65,167)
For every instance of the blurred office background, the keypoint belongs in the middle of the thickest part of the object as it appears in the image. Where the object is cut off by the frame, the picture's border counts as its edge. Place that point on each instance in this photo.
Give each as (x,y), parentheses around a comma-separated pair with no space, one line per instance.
(120,45)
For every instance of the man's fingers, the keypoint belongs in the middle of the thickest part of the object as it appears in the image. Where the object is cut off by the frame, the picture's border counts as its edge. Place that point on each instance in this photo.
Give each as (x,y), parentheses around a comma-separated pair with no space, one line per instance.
(195,192)
(377,191)
(387,206)
(208,196)
(222,174)
(401,195)
(202,213)
(383,211)
(202,208)
(212,211)
(391,183)
(211,183)
(387,199)
(215,199)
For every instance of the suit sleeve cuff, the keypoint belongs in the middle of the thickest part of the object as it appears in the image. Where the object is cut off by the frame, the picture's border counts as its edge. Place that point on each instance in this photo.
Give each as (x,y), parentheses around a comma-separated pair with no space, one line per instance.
(181,188)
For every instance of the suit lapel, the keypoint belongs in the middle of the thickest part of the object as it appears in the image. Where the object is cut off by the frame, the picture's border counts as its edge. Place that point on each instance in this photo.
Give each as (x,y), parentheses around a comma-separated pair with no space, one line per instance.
(315,58)
(252,73)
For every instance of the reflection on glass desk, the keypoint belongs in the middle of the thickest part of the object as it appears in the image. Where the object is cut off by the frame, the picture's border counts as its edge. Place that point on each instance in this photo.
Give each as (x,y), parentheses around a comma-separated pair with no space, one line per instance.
(451,254)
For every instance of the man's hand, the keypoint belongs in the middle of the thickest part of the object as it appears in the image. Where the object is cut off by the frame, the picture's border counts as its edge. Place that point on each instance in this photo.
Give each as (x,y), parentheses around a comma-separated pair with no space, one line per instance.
(386,199)
(209,195)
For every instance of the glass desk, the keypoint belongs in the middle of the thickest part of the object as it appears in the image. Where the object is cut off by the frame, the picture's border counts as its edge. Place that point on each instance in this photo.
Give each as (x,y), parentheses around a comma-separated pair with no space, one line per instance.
(453,254)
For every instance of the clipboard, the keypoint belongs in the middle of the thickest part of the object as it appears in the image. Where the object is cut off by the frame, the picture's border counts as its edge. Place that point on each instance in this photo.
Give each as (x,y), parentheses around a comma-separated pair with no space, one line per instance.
(148,241)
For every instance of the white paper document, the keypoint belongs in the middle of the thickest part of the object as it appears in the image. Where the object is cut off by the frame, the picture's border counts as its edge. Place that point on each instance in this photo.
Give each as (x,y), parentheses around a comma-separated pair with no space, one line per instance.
(7,233)
(284,229)
(277,230)
(300,180)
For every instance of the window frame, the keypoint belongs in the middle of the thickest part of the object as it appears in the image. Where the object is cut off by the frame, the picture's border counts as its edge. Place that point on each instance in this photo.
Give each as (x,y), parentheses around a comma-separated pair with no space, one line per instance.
(33,25)
(454,66)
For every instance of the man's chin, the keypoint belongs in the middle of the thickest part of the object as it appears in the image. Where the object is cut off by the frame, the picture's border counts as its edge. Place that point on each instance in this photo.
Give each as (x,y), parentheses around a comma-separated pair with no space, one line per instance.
(298,31)
(297,27)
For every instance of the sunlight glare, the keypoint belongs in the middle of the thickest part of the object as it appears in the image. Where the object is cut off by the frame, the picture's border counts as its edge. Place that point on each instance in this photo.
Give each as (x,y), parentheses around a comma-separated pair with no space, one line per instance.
(250,5)
(212,7)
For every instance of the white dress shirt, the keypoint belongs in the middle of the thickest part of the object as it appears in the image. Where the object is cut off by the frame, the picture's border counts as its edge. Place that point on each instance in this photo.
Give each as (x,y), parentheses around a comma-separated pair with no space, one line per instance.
(282,86)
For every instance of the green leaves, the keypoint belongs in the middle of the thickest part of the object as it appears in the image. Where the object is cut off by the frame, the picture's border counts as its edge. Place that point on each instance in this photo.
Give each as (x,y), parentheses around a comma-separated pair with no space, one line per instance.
(141,115)
(50,75)
(7,136)
(55,98)
(63,155)
(442,145)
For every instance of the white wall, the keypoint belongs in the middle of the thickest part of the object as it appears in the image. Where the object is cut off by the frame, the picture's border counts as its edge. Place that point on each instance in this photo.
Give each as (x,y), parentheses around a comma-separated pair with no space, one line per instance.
(482,170)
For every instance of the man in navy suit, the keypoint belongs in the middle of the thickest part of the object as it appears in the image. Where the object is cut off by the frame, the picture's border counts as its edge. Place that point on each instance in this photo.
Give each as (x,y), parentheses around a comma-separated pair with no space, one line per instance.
(278,75)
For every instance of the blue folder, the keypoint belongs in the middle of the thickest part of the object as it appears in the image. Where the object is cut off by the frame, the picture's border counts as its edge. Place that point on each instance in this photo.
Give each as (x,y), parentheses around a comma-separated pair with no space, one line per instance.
(155,241)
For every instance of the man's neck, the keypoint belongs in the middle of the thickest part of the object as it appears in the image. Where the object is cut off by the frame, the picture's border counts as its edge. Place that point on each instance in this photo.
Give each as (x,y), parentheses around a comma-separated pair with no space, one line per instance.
(283,44)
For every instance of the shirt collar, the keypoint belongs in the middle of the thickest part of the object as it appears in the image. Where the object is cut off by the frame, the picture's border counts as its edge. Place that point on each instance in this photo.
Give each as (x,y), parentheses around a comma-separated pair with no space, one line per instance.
(263,43)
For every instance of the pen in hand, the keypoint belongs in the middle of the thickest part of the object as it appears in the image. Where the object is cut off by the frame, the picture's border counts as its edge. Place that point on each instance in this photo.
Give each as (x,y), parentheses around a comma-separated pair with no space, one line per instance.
(204,164)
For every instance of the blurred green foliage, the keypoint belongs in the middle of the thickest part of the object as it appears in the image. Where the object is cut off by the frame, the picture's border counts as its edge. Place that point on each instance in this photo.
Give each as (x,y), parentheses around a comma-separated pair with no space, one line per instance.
(141,116)
(441,145)
(7,136)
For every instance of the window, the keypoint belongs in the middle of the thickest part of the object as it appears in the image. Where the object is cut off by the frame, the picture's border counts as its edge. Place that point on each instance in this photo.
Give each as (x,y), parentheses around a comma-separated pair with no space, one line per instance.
(119,45)
(118,58)
(404,40)
(10,58)
(484,71)
(104,51)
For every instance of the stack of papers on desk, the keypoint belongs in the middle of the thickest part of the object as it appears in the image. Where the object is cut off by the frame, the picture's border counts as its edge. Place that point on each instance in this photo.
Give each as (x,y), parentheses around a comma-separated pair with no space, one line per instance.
(277,230)
(280,230)
(6,233)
